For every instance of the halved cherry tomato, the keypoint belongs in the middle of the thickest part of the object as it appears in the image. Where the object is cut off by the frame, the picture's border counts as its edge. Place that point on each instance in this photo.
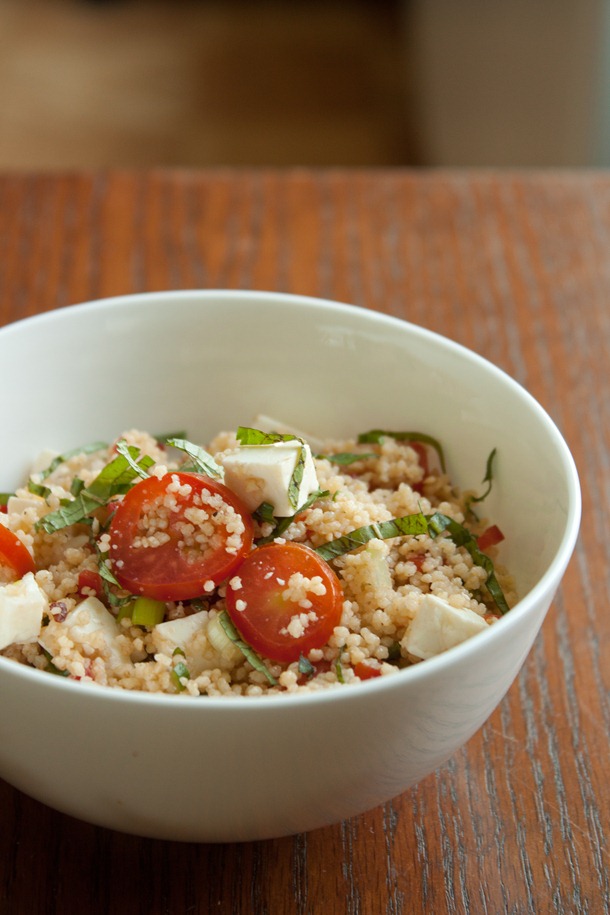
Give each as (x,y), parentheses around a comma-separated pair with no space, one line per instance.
(170,536)
(366,670)
(273,622)
(490,537)
(88,580)
(14,555)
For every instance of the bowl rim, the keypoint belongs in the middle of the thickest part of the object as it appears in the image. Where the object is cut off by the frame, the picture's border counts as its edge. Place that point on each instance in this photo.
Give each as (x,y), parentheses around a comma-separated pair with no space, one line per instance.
(468,650)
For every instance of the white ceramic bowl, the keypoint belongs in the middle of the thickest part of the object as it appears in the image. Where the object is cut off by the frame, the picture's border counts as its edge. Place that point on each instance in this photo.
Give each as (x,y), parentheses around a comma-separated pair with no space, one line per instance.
(210,769)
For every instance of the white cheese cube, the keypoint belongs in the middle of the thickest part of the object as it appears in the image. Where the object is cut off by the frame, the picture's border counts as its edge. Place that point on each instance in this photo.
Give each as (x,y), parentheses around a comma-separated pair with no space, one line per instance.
(32,506)
(166,637)
(88,625)
(439,626)
(22,604)
(262,473)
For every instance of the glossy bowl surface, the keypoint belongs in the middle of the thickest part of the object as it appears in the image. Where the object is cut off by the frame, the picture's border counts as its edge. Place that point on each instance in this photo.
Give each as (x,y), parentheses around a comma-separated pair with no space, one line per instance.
(174,767)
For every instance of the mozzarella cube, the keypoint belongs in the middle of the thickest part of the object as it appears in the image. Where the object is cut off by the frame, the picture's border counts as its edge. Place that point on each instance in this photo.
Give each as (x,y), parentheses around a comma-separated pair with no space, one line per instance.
(22,604)
(91,626)
(166,637)
(262,473)
(439,626)
(30,506)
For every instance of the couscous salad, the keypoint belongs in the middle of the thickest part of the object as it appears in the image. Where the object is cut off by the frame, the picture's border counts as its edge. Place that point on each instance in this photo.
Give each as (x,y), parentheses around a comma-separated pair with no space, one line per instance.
(268,562)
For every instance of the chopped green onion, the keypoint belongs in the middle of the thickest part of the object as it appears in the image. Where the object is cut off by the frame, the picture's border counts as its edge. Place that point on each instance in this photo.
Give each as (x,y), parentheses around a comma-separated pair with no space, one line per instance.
(488,478)
(249,653)
(179,672)
(345,458)
(376,435)
(114,479)
(62,458)
(439,524)
(408,525)
(147,612)
(284,523)
(248,436)
(306,667)
(125,611)
(202,461)
(220,641)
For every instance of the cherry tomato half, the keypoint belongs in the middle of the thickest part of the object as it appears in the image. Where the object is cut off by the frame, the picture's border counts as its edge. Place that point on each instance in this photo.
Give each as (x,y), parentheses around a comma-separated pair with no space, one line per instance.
(170,536)
(278,624)
(14,555)
(490,537)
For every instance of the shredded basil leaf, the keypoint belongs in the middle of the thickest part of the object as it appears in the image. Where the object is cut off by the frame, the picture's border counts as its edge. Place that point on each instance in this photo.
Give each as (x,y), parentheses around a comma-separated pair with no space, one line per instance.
(376,435)
(38,489)
(202,461)
(77,486)
(408,525)
(345,458)
(114,479)
(166,437)
(296,479)
(249,653)
(5,496)
(123,448)
(51,668)
(439,523)
(247,436)
(91,448)
(488,478)
(305,666)
(264,513)
(283,524)
(338,667)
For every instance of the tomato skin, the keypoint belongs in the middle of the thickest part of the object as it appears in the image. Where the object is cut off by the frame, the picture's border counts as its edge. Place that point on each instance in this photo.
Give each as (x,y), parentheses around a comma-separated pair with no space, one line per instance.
(168,572)
(14,554)
(88,580)
(366,670)
(266,612)
(490,537)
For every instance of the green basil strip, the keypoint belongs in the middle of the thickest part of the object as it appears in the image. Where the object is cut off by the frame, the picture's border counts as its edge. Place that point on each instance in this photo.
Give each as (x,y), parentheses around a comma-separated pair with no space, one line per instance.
(488,478)
(5,496)
(264,513)
(249,653)
(296,479)
(166,437)
(345,458)
(408,525)
(202,461)
(247,436)
(91,448)
(376,435)
(114,479)
(284,523)
(178,671)
(439,523)
(38,490)
(123,448)
(306,667)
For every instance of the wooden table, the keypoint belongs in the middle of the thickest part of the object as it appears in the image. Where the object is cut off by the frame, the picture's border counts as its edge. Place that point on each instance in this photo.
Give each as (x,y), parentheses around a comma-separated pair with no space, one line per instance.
(516,266)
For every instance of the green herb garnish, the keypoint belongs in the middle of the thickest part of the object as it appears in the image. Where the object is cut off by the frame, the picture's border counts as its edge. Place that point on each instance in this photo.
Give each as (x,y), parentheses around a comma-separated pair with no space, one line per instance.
(51,668)
(306,667)
(408,525)
(376,435)
(264,513)
(5,496)
(439,524)
(247,436)
(345,458)
(91,448)
(123,448)
(282,524)
(249,653)
(488,478)
(179,671)
(338,667)
(116,478)
(202,461)
(37,489)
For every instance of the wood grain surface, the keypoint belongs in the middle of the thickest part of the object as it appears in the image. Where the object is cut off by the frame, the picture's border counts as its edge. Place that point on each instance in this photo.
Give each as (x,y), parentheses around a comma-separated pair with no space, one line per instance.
(517,267)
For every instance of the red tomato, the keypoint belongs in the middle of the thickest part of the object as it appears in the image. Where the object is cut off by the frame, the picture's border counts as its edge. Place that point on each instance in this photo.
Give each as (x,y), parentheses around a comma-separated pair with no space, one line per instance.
(90,581)
(366,670)
(170,536)
(422,456)
(262,613)
(490,537)
(14,555)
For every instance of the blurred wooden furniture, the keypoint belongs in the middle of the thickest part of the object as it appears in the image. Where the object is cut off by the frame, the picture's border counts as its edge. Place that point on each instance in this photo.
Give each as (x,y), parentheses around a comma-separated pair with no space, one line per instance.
(514,266)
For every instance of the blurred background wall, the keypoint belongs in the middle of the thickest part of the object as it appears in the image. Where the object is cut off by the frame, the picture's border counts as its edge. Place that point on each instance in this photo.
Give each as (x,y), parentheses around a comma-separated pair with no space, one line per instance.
(98,83)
